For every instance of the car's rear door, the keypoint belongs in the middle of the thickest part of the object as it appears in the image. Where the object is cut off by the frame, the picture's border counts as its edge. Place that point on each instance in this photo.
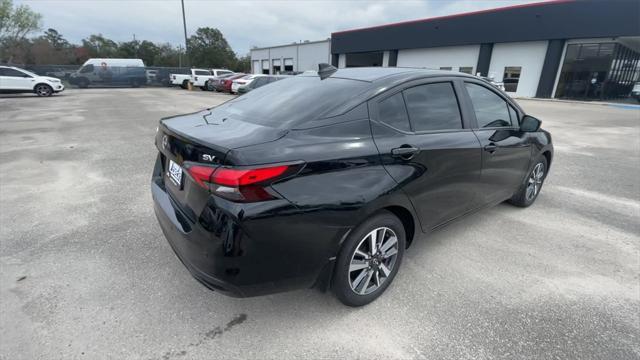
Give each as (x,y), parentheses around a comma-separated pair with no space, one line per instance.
(506,150)
(427,146)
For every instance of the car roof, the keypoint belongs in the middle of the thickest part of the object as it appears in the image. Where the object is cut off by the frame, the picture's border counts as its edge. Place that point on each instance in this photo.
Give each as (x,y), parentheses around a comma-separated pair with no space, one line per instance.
(373,74)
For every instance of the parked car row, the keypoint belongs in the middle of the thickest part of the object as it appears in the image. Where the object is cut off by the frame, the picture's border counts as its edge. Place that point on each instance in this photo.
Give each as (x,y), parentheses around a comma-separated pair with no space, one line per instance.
(222,80)
(198,77)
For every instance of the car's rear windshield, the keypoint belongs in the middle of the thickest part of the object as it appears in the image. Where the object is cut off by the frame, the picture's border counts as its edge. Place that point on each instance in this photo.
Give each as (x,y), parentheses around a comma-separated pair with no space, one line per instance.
(291,101)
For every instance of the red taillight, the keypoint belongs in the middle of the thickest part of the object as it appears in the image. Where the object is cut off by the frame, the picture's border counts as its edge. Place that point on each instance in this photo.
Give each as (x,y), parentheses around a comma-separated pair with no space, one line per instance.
(201,174)
(241,185)
(242,177)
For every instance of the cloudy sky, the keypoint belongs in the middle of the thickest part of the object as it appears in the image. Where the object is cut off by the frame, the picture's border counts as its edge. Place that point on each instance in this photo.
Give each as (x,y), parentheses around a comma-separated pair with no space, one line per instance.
(243,23)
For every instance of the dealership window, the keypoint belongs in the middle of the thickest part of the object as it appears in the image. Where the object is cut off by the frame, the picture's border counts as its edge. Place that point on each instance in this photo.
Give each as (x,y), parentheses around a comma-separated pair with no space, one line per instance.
(265,67)
(433,107)
(491,110)
(511,78)
(598,71)
(392,112)
(364,59)
(466,69)
(288,64)
(277,68)
(446,68)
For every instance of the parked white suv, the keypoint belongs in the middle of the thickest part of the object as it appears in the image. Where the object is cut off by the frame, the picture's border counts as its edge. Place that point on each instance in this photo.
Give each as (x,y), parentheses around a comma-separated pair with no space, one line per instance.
(16,80)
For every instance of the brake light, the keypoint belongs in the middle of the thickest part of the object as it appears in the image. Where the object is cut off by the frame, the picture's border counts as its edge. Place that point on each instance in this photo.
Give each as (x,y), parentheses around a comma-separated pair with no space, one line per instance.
(240,184)
(235,177)
(201,174)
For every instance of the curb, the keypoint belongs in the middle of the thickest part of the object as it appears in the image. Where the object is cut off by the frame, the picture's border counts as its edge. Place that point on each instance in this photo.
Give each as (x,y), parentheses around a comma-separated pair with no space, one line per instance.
(618,105)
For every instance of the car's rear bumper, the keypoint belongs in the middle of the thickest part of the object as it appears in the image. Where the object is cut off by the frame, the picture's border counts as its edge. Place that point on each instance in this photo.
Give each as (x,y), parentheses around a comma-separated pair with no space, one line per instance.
(246,250)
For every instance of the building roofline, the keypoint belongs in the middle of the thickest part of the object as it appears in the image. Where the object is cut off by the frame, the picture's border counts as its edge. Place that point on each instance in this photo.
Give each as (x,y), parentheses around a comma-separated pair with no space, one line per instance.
(292,44)
(463,14)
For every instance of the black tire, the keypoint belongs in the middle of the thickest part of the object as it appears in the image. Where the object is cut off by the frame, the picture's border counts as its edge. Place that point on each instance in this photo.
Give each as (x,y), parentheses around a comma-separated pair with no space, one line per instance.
(185,84)
(530,189)
(203,88)
(43,90)
(344,278)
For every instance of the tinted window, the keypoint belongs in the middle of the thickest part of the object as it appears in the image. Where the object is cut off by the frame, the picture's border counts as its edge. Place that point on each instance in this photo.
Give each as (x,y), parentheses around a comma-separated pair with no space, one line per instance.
(514,115)
(433,107)
(393,112)
(259,82)
(491,110)
(296,99)
(12,73)
(201,72)
(224,72)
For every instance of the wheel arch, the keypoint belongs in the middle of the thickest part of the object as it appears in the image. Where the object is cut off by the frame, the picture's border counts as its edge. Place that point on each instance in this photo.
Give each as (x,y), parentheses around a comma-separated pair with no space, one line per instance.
(407,219)
(547,154)
(41,83)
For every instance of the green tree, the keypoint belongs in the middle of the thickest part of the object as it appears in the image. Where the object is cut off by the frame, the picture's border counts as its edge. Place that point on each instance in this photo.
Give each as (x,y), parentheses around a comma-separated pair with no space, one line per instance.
(15,24)
(53,37)
(99,46)
(168,55)
(51,48)
(208,48)
(243,64)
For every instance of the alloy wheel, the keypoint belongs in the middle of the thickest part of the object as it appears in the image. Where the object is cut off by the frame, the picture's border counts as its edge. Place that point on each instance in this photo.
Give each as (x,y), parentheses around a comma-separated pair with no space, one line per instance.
(535,181)
(373,260)
(43,90)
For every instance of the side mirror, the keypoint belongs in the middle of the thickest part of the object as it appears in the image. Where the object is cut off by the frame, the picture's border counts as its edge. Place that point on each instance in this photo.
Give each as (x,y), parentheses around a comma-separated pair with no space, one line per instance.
(530,124)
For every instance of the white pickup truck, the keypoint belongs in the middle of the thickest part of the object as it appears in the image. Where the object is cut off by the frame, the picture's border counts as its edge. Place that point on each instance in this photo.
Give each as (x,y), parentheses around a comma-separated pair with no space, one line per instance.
(198,77)
(200,80)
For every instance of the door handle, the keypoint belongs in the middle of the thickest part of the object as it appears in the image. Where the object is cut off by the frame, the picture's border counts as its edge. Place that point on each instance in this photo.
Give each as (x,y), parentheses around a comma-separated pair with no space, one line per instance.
(491,148)
(405,152)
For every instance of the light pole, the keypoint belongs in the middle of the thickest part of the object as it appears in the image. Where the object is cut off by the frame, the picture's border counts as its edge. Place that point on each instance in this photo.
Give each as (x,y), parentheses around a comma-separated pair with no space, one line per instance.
(184,24)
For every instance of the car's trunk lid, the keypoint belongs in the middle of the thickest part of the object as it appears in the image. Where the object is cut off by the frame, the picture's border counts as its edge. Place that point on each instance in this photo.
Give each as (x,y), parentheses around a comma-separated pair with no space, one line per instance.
(204,139)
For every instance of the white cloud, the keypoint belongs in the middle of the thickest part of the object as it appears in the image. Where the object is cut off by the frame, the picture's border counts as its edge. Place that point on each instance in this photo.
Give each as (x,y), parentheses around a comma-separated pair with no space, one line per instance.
(243,23)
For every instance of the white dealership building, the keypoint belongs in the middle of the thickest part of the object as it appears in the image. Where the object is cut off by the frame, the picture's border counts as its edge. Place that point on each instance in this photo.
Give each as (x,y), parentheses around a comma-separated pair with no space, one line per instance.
(295,57)
(586,49)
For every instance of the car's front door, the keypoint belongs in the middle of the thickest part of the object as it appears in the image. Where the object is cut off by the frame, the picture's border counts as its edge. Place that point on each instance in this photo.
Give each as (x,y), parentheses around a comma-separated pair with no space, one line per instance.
(506,150)
(427,147)
(12,79)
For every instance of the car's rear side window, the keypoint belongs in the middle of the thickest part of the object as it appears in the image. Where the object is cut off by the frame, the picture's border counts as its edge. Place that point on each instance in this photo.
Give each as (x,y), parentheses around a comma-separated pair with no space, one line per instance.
(490,109)
(11,72)
(392,112)
(433,107)
(201,72)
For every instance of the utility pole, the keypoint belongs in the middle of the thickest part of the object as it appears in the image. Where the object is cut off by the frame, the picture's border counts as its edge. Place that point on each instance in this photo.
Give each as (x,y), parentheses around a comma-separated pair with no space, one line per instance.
(184,24)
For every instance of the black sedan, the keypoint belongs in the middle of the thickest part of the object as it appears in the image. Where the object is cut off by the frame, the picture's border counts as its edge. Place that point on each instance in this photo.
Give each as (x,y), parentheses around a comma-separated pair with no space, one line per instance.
(324,181)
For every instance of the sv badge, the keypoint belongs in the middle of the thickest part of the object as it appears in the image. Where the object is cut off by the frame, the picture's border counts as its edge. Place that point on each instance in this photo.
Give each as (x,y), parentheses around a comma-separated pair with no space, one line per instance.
(207,157)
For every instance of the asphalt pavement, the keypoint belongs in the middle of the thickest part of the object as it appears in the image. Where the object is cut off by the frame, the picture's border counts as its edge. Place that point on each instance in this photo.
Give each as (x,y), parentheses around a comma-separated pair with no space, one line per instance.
(85,272)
